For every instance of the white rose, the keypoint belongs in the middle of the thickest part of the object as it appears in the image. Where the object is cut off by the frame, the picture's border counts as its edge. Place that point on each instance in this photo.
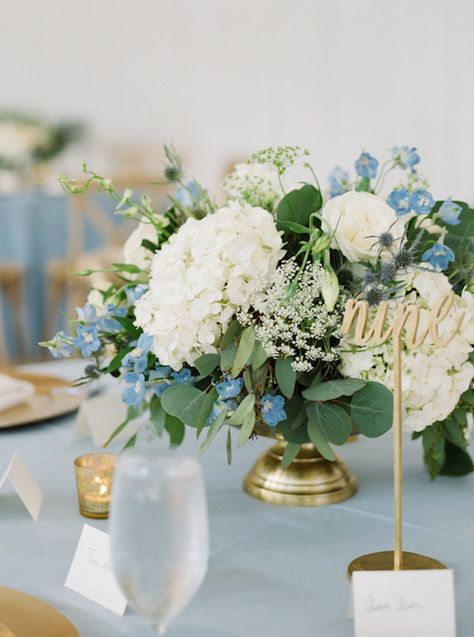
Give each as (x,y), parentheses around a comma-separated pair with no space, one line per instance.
(357,219)
(133,251)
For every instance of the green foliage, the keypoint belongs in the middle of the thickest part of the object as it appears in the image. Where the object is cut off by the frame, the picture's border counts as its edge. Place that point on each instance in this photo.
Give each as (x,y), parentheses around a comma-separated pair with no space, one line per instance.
(157,415)
(175,428)
(290,454)
(297,206)
(213,431)
(184,402)
(244,350)
(333,421)
(285,376)
(206,363)
(372,409)
(333,389)
(364,185)
(227,356)
(233,331)
(258,357)
(228,446)
(243,410)
(116,362)
(457,461)
(206,409)
(317,434)
(247,428)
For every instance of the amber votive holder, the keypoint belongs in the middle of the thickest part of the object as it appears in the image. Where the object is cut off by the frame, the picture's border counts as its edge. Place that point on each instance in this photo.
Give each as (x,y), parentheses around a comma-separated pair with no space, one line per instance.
(94,473)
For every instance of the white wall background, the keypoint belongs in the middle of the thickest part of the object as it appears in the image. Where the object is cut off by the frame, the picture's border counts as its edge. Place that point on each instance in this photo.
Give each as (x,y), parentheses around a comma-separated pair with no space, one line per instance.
(221,78)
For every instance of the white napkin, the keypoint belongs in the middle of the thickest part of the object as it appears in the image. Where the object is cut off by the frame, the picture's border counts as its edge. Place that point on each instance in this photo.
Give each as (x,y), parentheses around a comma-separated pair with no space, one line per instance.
(14,392)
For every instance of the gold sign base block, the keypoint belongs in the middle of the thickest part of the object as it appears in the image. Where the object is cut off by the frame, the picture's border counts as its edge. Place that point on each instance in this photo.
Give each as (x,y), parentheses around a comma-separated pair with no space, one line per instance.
(383,561)
(310,480)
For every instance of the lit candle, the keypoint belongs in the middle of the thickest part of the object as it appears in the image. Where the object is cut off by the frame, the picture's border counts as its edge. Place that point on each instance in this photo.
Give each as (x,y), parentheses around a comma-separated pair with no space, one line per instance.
(94,472)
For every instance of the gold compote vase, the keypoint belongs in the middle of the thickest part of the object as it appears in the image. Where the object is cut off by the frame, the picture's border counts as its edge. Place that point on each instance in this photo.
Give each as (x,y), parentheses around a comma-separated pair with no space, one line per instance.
(310,480)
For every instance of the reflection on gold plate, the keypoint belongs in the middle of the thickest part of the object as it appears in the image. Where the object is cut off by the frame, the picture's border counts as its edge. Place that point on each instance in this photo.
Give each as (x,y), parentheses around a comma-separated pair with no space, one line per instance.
(383,561)
(24,616)
(53,397)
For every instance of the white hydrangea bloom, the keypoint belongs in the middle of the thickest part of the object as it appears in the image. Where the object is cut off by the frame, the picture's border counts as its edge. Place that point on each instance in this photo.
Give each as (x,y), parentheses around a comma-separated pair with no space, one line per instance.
(206,273)
(254,183)
(433,379)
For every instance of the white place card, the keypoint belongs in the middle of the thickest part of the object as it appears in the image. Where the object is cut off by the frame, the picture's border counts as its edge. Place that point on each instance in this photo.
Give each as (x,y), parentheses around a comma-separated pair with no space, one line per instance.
(91,572)
(404,604)
(28,490)
(99,416)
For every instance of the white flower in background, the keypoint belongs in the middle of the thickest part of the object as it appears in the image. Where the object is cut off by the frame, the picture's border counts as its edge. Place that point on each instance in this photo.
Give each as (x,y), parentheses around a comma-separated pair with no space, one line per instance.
(133,251)
(357,219)
(254,183)
(206,273)
(19,140)
(433,379)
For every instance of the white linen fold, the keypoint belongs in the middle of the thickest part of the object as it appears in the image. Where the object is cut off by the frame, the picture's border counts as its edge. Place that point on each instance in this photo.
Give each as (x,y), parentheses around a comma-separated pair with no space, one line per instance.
(13,392)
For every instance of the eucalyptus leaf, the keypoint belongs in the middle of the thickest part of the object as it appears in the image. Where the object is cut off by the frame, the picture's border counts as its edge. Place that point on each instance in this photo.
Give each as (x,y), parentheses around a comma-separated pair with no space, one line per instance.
(333,421)
(205,410)
(228,447)
(157,415)
(286,376)
(245,407)
(227,356)
(317,436)
(259,355)
(290,454)
(333,389)
(231,334)
(244,351)
(116,362)
(213,430)
(185,402)
(206,363)
(372,409)
(175,428)
(246,429)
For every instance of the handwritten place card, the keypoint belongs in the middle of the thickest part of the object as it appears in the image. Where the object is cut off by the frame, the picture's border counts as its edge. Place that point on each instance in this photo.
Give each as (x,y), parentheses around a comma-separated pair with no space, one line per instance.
(91,572)
(28,490)
(404,604)
(99,416)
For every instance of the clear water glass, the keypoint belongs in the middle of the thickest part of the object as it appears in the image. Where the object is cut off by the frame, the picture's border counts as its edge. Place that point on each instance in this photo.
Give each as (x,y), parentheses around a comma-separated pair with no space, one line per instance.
(159,529)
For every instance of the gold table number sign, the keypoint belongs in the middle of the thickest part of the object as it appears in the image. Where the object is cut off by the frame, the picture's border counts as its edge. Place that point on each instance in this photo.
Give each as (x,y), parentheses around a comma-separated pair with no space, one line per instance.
(405,324)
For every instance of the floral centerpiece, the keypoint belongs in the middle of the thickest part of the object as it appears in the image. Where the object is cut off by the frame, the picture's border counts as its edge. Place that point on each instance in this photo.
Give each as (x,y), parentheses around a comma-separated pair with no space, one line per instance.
(229,317)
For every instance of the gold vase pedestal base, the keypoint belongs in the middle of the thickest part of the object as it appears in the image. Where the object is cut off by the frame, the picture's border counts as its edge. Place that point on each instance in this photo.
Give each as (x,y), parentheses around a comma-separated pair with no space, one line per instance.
(310,480)
(383,561)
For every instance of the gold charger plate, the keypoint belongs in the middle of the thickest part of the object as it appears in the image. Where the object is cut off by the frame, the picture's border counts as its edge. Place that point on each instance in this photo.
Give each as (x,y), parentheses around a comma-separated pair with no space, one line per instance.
(24,616)
(53,397)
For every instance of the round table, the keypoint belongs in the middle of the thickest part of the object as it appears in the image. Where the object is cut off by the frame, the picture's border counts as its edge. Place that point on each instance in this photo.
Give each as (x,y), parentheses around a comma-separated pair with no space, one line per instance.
(273,570)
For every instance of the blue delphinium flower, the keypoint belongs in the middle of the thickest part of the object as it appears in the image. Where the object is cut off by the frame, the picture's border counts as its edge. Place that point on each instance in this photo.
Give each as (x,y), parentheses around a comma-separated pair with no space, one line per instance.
(366,166)
(88,314)
(219,406)
(229,387)
(338,181)
(136,292)
(87,340)
(188,195)
(134,392)
(160,388)
(60,346)
(421,202)
(271,409)
(182,377)
(138,357)
(406,157)
(400,201)
(449,212)
(439,256)
(108,322)
(161,373)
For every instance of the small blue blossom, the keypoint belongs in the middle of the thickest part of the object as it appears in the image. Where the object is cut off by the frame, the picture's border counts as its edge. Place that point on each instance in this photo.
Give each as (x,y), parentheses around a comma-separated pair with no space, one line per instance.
(160,371)
(400,201)
(134,393)
(406,157)
(271,409)
(88,314)
(183,377)
(60,346)
(188,195)
(136,292)
(108,322)
(366,166)
(87,340)
(338,181)
(160,388)
(219,406)
(439,256)
(421,202)
(229,387)
(449,212)
(138,357)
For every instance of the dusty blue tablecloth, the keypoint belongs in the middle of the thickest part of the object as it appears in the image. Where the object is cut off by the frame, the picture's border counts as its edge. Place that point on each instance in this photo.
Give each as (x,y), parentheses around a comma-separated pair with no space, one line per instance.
(274,571)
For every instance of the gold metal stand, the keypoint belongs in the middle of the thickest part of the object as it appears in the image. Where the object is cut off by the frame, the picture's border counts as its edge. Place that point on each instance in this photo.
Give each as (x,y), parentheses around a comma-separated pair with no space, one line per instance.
(310,480)
(384,561)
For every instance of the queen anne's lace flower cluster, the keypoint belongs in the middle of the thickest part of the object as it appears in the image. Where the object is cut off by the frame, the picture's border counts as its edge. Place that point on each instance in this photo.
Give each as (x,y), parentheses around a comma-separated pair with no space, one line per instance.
(433,379)
(297,325)
(203,276)
(254,183)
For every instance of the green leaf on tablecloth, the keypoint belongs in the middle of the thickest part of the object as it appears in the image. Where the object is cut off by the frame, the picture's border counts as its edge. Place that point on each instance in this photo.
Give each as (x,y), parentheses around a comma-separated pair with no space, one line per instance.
(228,447)
(176,429)
(246,429)
(244,408)
(317,434)
(184,402)
(213,430)
(285,376)
(244,350)
(205,410)
(333,389)
(206,364)
(290,454)
(333,421)
(372,409)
